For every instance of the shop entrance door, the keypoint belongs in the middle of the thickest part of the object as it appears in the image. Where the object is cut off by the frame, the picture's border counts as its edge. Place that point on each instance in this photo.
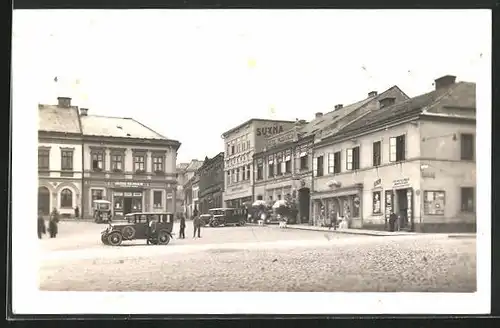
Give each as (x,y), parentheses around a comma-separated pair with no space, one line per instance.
(127,205)
(304,203)
(402,202)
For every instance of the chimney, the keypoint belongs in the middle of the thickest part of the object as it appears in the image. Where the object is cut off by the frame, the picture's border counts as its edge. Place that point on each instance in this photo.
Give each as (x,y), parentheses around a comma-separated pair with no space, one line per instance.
(339,106)
(372,94)
(64,102)
(83,111)
(444,81)
(387,101)
(319,114)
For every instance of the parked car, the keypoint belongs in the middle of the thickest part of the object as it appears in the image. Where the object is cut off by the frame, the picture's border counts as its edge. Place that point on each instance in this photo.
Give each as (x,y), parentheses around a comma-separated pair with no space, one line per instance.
(102,210)
(227,216)
(205,219)
(155,228)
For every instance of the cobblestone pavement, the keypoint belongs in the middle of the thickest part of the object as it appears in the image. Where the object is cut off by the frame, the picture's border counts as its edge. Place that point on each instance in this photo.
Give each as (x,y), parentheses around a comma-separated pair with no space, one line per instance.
(261,259)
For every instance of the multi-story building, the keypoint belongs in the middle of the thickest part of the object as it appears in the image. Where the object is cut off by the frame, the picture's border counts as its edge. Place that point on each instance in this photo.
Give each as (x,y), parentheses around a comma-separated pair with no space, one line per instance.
(241,143)
(128,164)
(190,180)
(415,158)
(284,169)
(181,170)
(59,158)
(211,183)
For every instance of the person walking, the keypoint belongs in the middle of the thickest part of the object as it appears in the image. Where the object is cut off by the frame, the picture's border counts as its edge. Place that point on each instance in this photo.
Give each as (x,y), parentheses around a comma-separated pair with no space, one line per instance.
(196,226)
(182,234)
(41,225)
(53,227)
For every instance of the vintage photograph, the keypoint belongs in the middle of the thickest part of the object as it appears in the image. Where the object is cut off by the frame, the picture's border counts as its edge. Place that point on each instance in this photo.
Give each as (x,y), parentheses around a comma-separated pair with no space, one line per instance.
(253,151)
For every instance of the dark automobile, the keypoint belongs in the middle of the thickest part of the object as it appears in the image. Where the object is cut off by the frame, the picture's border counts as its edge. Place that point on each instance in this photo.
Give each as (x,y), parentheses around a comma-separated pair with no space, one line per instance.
(205,219)
(227,216)
(156,228)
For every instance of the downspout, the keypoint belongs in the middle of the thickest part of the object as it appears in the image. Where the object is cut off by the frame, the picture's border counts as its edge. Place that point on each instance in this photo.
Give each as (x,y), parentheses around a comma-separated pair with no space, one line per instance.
(82,195)
(311,203)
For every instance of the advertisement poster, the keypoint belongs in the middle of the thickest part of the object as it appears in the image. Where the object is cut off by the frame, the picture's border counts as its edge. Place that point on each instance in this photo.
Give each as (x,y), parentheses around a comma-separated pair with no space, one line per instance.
(388,205)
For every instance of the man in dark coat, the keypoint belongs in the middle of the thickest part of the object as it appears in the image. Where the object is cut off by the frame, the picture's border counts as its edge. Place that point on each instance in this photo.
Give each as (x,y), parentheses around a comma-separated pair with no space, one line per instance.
(41,225)
(53,227)
(182,234)
(77,212)
(392,221)
(196,226)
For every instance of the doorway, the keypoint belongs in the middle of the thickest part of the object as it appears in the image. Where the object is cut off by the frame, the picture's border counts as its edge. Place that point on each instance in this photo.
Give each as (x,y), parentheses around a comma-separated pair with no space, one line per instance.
(44,200)
(304,204)
(402,202)
(127,205)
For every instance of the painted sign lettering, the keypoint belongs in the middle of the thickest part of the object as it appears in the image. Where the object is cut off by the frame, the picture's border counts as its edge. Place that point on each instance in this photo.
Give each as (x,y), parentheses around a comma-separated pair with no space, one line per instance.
(269,130)
(130,184)
(400,182)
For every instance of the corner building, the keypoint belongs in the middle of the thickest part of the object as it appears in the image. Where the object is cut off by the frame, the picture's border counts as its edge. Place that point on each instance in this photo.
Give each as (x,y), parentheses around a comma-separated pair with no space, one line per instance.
(241,143)
(416,158)
(128,164)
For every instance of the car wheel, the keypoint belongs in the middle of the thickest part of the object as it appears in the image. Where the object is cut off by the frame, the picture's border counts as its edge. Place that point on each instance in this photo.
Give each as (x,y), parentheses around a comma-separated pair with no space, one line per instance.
(115,239)
(163,237)
(104,239)
(242,223)
(215,224)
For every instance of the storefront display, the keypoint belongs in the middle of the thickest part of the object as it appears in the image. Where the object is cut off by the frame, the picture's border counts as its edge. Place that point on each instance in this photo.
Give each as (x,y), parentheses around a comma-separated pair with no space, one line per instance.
(434,202)
(125,202)
(377,202)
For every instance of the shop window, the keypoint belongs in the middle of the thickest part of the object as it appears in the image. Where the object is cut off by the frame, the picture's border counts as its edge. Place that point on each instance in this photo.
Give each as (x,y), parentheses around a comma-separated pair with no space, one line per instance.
(96,194)
(377,152)
(136,204)
(66,198)
(397,148)
(467,199)
(318,166)
(139,164)
(434,202)
(377,202)
(43,159)
(97,161)
(158,164)
(117,162)
(67,160)
(336,162)
(467,147)
(260,169)
(157,199)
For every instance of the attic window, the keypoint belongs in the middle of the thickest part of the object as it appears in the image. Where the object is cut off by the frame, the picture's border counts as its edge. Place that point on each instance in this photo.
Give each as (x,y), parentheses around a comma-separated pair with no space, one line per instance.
(119,127)
(128,134)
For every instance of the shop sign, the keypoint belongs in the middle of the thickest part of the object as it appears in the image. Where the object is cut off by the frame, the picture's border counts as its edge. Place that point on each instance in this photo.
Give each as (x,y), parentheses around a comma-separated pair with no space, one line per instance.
(269,130)
(130,184)
(356,201)
(377,183)
(128,194)
(137,194)
(400,182)
(237,188)
(118,193)
(431,175)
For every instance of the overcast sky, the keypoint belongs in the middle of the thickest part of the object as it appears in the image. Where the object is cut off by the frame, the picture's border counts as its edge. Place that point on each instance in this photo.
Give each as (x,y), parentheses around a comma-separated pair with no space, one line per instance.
(193,74)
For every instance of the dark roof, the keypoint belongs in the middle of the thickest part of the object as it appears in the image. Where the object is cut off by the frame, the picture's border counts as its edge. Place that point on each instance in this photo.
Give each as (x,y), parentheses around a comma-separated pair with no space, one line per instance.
(250,121)
(415,106)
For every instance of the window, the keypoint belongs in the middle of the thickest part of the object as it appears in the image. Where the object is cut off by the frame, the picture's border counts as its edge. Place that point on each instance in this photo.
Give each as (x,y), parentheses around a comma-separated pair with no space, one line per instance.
(98,161)
(279,160)
(248,144)
(288,161)
(139,163)
(43,159)
(157,198)
(377,201)
(397,148)
(158,163)
(331,163)
(318,166)
(237,175)
(228,180)
(467,147)
(232,149)
(117,162)
(349,159)
(259,197)
(96,194)
(260,169)
(228,147)
(271,167)
(67,160)
(336,162)
(304,165)
(434,202)
(467,199)
(377,151)
(279,197)
(248,172)
(66,198)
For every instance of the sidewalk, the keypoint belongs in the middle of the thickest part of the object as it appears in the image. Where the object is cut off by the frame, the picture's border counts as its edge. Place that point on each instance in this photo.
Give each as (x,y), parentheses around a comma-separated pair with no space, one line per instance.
(347,231)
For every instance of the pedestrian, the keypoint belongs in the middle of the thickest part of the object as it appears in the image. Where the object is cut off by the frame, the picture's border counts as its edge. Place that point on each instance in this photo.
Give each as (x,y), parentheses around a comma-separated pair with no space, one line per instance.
(262,218)
(196,226)
(53,227)
(334,219)
(77,212)
(182,234)
(392,221)
(151,230)
(41,225)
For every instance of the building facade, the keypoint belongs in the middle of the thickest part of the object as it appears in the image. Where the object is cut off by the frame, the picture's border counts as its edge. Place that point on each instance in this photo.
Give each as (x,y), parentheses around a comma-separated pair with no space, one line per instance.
(127,164)
(179,201)
(415,158)
(190,187)
(241,143)
(285,167)
(60,147)
(211,185)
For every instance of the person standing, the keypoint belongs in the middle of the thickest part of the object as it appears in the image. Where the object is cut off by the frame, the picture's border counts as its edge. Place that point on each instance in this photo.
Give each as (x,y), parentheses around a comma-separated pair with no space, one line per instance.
(53,227)
(196,226)
(392,221)
(77,212)
(334,219)
(182,234)
(41,225)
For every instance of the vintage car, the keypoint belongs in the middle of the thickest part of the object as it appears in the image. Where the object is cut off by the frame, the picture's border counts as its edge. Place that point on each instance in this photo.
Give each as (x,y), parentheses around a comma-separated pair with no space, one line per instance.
(102,210)
(205,219)
(227,216)
(155,228)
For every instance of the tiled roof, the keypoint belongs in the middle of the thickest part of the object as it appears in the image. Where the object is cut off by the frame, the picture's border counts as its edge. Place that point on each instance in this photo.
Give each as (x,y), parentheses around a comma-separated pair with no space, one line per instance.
(182,166)
(58,119)
(461,94)
(194,165)
(95,125)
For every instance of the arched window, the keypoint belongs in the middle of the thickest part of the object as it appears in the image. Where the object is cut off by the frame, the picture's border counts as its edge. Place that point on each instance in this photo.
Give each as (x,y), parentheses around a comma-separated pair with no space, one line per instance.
(66,198)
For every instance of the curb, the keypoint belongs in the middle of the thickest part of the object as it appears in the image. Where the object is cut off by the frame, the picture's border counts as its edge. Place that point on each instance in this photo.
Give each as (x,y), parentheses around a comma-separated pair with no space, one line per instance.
(349,232)
(463,236)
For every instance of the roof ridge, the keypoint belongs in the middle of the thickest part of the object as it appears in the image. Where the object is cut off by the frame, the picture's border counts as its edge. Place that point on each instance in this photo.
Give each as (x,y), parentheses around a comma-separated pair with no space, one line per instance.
(147,127)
